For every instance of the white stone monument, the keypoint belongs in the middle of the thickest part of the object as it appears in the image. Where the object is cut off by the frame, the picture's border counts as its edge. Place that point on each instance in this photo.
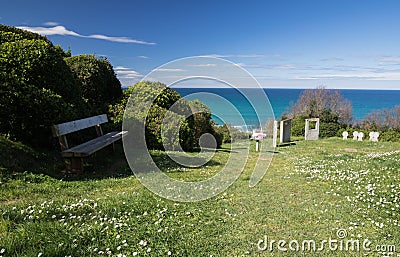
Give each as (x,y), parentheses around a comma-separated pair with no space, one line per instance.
(360,136)
(313,132)
(376,136)
(355,135)
(373,136)
(345,134)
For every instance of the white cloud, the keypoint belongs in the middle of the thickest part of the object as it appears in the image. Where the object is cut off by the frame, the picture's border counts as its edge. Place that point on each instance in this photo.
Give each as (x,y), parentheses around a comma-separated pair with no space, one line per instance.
(119,39)
(389,59)
(170,70)
(364,76)
(286,67)
(204,65)
(143,57)
(245,65)
(57,30)
(51,23)
(235,55)
(126,73)
(61,30)
(331,59)
(121,68)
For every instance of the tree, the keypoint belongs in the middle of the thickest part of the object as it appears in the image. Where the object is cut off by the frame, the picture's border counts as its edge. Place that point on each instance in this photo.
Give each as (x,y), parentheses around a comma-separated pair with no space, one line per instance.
(333,110)
(37,63)
(36,87)
(329,105)
(10,34)
(383,119)
(97,81)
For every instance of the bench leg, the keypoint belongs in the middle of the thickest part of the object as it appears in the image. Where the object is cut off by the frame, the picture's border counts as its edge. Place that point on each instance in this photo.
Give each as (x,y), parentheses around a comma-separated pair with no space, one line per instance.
(74,165)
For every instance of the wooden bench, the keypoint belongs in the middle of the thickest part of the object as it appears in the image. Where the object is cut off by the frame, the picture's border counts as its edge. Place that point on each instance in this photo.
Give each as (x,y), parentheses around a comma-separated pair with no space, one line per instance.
(73,156)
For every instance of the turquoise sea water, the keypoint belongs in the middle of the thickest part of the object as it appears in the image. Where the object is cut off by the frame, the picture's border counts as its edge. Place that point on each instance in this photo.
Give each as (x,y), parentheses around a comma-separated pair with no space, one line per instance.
(362,101)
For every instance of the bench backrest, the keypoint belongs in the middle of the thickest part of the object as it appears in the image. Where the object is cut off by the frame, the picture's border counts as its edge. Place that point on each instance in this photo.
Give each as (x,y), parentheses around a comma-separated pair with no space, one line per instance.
(60,130)
(72,126)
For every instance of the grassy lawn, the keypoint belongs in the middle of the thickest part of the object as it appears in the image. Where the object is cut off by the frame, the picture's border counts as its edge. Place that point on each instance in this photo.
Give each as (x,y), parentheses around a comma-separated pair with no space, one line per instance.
(312,190)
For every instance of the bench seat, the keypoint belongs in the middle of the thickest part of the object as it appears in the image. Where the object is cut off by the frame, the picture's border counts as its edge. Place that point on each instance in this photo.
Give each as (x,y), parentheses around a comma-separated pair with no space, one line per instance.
(89,147)
(73,156)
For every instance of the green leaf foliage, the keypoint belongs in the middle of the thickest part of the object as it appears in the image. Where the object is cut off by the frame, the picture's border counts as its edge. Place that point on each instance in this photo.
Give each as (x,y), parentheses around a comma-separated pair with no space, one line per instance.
(229,134)
(97,81)
(202,121)
(10,34)
(37,88)
(170,122)
(37,63)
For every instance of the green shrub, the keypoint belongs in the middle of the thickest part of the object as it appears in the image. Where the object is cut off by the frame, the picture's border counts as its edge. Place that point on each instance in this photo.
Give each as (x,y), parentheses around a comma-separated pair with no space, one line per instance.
(37,63)
(328,126)
(328,129)
(10,34)
(16,157)
(36,87)
(298,126)
(97,81)
(390,135)
(153,119)
(230,134)
(203,123)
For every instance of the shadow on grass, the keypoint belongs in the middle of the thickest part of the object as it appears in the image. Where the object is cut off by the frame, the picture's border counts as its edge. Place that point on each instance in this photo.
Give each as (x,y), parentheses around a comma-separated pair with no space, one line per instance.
(172,162)
(113,164)
(286,144)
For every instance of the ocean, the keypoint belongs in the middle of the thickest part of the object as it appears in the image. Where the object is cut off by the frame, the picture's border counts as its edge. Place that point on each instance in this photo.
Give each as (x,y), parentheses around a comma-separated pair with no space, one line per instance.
(362,101)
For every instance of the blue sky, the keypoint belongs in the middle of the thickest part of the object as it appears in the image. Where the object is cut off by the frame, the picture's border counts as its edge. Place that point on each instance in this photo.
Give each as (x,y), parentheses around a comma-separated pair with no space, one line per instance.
(292,44)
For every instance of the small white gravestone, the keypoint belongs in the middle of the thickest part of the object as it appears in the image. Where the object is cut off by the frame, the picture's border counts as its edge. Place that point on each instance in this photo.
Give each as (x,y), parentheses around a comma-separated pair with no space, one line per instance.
(360,136)
(345,134)
(376,136)
(373,136)
(355,135)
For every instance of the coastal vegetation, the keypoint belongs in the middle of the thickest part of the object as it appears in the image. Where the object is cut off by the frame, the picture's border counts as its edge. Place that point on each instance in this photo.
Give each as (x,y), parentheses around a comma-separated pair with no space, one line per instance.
(335,113)
(42,85)
(311,190)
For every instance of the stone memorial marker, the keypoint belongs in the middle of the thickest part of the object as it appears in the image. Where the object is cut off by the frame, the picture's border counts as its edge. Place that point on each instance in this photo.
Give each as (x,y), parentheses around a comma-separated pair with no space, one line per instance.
(376,136)
(285,127)
(274,133)
(360,136)
(345,134)
(312,132)
(373,136)
(355,135)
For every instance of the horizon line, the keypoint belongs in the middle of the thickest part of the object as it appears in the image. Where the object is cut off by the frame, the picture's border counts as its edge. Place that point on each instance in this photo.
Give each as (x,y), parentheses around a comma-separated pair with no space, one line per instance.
(297,88)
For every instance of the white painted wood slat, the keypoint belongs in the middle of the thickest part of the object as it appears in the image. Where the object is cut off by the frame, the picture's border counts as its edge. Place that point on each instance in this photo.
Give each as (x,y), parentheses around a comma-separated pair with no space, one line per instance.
(93,145)
(72,126)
